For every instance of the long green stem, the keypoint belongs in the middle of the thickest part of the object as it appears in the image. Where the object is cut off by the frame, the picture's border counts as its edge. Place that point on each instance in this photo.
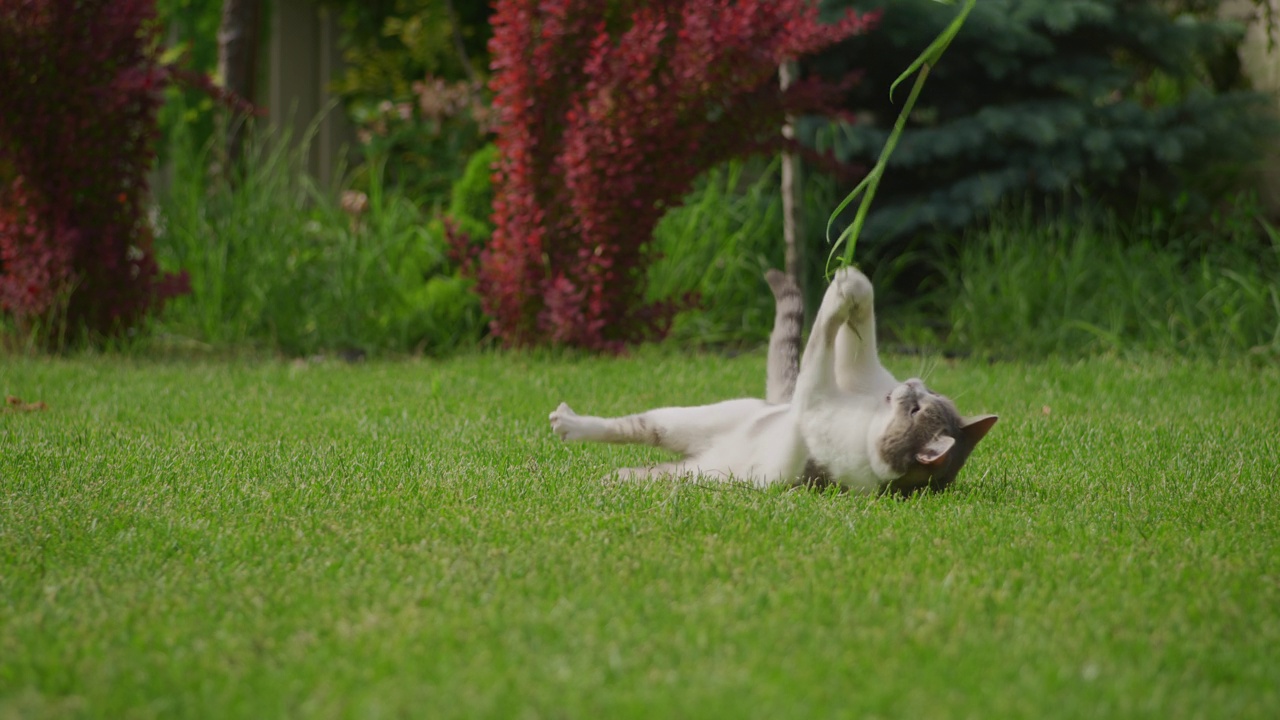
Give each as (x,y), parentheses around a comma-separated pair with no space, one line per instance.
(872,180)
(867,188)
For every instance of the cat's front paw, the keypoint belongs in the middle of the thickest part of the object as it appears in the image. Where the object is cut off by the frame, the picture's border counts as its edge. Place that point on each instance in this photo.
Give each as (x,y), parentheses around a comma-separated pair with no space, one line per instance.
(565,423)
(854,289)
(853,284)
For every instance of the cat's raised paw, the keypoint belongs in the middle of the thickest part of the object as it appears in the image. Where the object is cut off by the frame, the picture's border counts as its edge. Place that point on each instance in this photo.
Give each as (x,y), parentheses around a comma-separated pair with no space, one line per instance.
(854,288)
(564,422)
(852,283)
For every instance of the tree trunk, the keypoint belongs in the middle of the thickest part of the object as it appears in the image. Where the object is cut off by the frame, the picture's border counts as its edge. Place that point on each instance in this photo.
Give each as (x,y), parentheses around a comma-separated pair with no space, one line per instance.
(238,65)
(791,198)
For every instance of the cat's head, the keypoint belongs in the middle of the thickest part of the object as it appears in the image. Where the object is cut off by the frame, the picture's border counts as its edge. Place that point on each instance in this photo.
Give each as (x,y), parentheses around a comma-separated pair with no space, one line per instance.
(925,440)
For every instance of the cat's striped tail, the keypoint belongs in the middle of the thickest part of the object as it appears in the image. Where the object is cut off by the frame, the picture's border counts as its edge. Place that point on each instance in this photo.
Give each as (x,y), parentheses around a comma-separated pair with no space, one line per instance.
(784,341)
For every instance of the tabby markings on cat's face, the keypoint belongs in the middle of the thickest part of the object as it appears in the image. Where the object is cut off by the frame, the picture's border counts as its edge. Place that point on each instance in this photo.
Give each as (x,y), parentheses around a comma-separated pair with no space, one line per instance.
(925,440)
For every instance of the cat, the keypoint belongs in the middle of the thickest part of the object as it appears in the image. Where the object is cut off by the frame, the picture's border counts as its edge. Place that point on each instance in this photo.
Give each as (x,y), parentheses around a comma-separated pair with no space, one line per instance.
(834,415)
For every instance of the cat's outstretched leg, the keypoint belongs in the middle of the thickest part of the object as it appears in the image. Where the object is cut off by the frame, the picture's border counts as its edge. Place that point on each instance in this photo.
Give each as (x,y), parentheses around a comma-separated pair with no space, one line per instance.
(685,430)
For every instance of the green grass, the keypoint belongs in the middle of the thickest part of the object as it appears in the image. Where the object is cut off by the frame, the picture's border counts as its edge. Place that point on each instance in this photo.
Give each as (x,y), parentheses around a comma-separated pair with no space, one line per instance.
(1028,286)
(192,538)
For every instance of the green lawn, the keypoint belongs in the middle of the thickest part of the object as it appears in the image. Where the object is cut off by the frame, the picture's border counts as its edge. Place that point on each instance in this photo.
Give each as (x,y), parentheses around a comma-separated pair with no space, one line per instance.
(408,539)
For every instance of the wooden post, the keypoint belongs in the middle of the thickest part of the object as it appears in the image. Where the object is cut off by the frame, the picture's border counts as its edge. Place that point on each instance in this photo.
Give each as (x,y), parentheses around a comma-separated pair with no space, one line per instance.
(304,58)
(238,66)
(791,199)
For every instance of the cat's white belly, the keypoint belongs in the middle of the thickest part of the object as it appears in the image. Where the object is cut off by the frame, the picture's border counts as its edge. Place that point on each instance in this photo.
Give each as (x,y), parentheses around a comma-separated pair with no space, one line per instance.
(765,449)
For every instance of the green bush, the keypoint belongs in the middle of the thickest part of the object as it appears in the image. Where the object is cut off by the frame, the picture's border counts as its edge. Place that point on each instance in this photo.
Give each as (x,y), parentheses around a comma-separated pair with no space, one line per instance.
(717,244)
(471,199)
(1114,98)
(422,143)
(278,264)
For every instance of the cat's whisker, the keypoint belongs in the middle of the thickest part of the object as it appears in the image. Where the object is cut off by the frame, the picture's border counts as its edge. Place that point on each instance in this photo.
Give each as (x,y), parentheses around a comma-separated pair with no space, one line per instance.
(928,363)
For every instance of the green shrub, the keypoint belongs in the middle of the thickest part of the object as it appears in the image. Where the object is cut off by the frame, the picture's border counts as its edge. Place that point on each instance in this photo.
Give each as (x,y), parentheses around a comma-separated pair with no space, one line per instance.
(717,245)
(471,199)
(389,44)
(422,143)
(277,263)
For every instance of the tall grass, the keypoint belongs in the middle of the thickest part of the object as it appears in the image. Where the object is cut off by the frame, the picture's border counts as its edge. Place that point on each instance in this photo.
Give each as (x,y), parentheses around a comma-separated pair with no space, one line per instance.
(276,263)
(718,245)
(1072,286)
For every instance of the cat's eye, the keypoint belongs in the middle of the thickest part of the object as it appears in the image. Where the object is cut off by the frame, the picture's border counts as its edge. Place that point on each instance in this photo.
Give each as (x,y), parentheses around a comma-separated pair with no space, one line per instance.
(914,409)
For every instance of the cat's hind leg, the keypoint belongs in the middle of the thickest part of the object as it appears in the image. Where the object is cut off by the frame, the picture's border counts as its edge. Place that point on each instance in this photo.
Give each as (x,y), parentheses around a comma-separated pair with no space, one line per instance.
(572,427)
(684,430)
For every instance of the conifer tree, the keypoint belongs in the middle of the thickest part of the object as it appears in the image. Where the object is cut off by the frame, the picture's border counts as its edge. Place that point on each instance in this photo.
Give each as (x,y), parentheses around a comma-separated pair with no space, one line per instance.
(1111,99)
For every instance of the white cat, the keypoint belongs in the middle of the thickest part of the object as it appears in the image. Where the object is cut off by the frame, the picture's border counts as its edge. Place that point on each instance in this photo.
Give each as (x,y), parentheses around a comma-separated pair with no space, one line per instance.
(839,418)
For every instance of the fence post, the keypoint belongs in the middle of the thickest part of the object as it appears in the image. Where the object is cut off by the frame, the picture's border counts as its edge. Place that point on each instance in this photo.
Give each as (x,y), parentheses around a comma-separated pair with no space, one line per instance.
(303,59)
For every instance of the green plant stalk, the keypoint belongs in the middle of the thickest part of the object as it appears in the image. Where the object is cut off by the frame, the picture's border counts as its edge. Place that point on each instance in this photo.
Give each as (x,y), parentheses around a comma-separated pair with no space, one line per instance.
(867,188)
(872,180)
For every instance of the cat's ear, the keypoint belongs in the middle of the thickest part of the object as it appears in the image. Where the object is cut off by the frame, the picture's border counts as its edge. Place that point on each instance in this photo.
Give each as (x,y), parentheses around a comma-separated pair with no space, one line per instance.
(935,453)
(975,428)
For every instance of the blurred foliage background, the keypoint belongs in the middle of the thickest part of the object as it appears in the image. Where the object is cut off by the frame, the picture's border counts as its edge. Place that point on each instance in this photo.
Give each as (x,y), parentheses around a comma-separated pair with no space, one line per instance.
(1126,123)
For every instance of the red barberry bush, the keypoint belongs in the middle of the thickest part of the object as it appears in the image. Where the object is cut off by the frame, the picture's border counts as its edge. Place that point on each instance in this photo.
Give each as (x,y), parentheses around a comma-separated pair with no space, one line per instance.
(607,112)
(80,83)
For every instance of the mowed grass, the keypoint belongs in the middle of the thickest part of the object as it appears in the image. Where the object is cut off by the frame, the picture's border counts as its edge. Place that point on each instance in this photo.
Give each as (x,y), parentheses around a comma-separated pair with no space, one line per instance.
(407,539)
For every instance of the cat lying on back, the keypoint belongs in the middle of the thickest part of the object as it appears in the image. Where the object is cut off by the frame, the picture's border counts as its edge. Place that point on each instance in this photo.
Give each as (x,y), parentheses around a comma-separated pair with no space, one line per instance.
(834,416)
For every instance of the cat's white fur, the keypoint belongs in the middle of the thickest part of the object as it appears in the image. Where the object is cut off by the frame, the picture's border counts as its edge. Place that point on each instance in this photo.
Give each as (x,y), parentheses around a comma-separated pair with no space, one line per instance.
(844,403)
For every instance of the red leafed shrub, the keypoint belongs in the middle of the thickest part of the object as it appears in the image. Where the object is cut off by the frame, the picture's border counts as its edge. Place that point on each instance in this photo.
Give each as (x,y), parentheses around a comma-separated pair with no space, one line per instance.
(608,111)
(80,83)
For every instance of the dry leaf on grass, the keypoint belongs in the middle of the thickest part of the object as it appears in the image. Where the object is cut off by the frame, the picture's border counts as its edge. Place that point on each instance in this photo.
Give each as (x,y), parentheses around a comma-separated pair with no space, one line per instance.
(13,404)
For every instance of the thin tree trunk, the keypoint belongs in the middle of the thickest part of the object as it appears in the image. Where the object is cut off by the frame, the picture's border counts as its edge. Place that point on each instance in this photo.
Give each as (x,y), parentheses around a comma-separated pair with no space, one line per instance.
(791,230)
(238,65)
